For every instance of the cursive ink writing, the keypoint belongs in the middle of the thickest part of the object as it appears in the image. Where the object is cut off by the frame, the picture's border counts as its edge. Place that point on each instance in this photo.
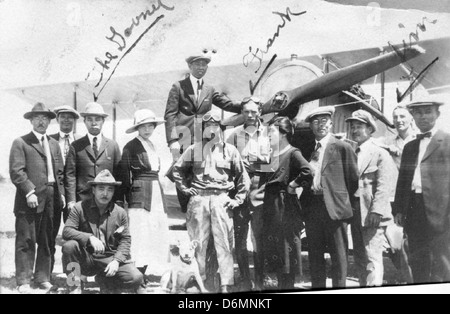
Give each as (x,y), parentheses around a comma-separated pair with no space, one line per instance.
(259,53)
(121,41)
(414,37)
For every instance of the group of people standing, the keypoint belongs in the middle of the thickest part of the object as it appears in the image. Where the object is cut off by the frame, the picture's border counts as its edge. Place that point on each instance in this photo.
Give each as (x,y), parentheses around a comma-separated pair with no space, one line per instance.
(228,184)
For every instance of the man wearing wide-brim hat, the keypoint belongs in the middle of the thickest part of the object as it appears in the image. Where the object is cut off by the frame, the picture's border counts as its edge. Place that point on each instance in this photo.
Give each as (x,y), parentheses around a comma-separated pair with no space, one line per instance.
(99,240)
(422,203)
(36,169)
(89,155)
(373,212)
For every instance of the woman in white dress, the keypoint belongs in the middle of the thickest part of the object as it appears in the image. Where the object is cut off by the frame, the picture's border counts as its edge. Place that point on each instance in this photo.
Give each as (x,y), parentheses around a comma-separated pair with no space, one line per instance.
(139,172)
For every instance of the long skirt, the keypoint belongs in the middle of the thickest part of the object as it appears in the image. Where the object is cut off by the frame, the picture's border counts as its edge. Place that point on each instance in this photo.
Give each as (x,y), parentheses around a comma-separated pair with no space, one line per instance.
(150,238)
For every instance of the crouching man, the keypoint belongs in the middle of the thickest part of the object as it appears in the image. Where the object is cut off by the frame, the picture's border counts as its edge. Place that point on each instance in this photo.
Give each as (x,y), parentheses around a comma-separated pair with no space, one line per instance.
(217,171)
(98,241)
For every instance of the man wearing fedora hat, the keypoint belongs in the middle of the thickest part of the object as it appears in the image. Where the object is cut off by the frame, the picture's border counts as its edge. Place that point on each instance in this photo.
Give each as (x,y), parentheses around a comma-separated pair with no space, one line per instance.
(36,169)
(189,100)
(99,240)
(89,156)
(328,203)
(219,185)
(373,213)
(422,202)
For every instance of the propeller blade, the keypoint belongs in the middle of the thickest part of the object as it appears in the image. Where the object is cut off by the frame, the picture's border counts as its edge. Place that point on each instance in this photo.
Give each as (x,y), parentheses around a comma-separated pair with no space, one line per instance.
(340,80)
(236,120)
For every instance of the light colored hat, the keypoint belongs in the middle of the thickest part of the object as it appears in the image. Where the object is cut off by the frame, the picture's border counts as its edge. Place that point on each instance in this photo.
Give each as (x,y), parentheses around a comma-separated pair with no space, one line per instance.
(321,111)
(192,59)
(364,117)
(104,178)
(142,117)
(39,108)
(94,109)
(67,109)
(424,102)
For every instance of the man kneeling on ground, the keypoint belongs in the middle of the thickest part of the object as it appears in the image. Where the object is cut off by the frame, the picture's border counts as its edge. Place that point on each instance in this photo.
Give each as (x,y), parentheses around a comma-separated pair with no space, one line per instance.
(98,241)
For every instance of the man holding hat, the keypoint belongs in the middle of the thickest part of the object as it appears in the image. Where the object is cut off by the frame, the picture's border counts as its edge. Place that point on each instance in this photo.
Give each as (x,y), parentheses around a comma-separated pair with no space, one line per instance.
(219,185)
(328,204)
(189,100)
(422,203)
(89,156)
(373,213)
(98,241)
(36,169)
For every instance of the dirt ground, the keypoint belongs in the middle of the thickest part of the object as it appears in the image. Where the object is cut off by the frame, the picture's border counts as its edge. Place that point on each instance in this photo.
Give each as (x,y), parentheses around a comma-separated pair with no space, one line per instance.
(8,283)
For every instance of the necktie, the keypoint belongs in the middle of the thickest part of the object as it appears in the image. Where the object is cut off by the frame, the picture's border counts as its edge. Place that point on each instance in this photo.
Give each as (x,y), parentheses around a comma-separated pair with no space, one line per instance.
(316,154)
(199,90)
(50,173)
(95,147)
(66,146)
(424,135)
(358,151)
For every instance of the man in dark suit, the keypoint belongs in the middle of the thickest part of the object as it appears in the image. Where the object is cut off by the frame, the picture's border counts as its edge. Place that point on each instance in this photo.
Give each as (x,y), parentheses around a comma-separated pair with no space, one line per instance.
(189,100)
(89,156)
(36,169)
(328,204)
(98,241)
(66,117)
(422,201)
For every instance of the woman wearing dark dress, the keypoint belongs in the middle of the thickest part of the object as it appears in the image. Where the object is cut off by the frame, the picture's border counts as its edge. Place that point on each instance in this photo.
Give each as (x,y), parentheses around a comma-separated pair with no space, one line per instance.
(139,172)
(281,209)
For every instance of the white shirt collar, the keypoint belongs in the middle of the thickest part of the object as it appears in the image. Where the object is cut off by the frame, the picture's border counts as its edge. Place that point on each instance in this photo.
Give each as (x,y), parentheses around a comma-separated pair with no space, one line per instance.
(194,81)
(39,135)
(99,138)
(62,135)
(259,129)
(366,143)
(324,141)
(433,131)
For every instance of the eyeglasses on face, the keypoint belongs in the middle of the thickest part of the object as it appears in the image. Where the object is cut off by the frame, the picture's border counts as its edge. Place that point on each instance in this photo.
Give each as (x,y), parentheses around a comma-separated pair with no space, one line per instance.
(320,121)
(41,118)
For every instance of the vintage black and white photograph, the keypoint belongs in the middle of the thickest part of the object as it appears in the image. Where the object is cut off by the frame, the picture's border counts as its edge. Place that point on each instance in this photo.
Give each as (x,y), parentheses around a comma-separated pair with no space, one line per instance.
(207,147)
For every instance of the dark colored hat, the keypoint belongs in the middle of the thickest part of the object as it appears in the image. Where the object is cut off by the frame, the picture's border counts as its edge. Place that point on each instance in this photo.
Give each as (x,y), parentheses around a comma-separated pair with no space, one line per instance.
(363,117)
(104,178)
(38,109)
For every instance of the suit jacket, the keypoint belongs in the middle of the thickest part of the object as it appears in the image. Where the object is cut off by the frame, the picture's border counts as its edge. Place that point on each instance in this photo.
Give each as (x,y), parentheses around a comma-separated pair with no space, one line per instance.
(435,171)
(182,109)
(28,171)
(82,224)
(57,137)
(135,163)
(375,182)
(339,180)
(82,166)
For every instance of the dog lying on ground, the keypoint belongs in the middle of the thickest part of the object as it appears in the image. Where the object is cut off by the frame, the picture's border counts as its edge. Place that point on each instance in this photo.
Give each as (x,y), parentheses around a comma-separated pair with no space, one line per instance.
(184,275)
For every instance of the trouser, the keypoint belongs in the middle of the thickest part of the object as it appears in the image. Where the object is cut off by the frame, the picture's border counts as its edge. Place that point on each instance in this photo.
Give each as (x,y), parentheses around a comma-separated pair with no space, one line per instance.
(77,261)
(58,215)
(35,229)
(242,220)
(322,233)
(429,252)
(207,214)
(368,247)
